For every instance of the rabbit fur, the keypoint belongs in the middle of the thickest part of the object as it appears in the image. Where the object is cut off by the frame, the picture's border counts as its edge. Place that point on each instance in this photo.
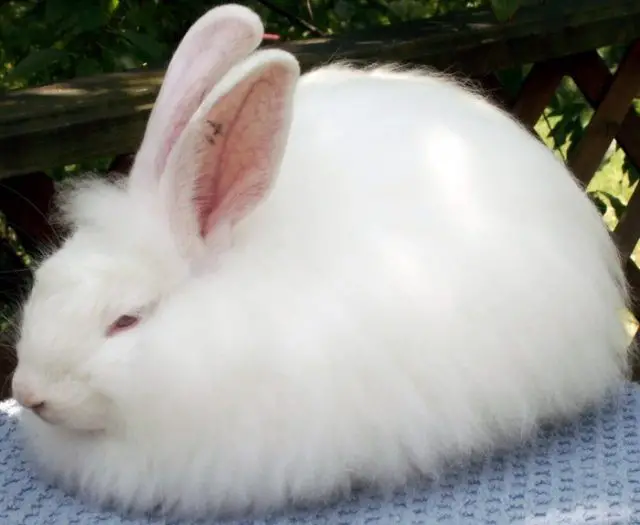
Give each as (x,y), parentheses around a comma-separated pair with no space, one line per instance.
(348,276)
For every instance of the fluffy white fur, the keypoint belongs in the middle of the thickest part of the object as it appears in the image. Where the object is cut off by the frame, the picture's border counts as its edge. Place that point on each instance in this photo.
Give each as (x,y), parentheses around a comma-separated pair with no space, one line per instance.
(423,280)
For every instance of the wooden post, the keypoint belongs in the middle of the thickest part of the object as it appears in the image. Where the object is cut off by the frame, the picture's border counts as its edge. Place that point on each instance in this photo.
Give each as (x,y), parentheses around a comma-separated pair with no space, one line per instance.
(607,120)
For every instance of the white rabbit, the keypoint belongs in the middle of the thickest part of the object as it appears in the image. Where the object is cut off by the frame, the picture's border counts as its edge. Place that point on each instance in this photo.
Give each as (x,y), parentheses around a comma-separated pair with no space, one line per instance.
(310,283)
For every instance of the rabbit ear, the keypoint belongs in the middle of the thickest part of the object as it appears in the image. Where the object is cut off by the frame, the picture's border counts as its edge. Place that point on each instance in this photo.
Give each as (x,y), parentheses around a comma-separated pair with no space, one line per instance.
(230,153)
(218,40)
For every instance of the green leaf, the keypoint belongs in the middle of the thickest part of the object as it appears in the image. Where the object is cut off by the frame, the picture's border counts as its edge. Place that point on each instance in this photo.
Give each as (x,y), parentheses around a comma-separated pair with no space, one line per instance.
(77,17)
(604,199)
(112,6)
(633,171)
(344,9)
(565,129)
(55,10)
(150,47)
(505,9)
(599,203)
(90,17)
(35,62)
(618,206)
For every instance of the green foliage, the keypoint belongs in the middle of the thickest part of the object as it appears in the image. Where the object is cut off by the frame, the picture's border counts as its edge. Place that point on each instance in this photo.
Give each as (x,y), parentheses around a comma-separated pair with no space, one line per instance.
(53,40)
(505,9)
(45,41)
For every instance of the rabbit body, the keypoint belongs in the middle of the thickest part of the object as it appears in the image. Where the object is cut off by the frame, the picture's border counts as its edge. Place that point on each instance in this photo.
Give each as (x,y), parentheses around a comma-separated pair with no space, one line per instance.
(424,280)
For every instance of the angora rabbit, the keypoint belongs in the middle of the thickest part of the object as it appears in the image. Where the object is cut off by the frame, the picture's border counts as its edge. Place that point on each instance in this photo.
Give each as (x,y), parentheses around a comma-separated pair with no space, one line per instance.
(310,283)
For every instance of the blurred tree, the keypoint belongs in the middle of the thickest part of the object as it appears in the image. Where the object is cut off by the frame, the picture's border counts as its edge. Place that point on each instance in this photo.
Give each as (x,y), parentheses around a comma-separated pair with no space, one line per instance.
(50,40)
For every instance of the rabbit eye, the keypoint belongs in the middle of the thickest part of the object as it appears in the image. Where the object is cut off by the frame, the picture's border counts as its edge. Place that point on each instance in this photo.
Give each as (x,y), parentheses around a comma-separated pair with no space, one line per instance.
(122,323)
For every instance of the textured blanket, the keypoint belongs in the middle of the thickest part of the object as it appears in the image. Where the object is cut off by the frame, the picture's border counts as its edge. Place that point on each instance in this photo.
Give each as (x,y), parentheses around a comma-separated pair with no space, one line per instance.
(587,471)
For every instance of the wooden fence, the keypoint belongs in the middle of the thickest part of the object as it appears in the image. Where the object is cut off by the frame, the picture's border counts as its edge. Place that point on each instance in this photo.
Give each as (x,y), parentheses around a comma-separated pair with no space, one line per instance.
(105,116)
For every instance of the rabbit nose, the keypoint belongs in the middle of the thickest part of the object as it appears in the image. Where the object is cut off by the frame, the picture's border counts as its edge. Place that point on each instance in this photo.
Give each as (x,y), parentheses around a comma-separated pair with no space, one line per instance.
(28,399)
(36,407)
(35,404)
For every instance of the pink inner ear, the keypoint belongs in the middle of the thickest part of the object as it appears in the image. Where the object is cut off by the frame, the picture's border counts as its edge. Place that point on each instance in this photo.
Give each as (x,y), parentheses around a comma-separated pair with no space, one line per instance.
(217,41)
(182,97)
(243,134)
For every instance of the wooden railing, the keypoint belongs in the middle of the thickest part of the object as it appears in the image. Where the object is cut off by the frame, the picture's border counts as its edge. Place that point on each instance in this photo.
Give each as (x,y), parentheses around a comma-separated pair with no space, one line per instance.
(104,116)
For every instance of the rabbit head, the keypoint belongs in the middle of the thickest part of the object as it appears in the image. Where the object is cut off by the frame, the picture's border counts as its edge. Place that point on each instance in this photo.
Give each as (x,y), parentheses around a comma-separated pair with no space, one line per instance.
(212,147)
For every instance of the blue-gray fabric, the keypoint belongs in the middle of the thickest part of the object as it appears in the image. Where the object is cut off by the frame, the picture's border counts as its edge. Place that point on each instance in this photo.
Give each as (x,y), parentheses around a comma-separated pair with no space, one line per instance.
(584,472)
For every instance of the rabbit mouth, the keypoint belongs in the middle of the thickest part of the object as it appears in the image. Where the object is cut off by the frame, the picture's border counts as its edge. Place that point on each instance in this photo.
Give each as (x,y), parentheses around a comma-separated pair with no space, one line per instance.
(46,414)
(65,420)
